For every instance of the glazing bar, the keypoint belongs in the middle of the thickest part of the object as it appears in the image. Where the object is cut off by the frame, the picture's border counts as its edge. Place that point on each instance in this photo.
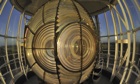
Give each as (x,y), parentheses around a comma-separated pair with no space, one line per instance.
(116,45)
(108,33)
(25,21)
(123,21)
(7,36)
(136,29)
(2,79)
(123,60)
(18,43)
(134,42)
(6,43)
(121,36)
(137,4)
(129,41)
(2,7)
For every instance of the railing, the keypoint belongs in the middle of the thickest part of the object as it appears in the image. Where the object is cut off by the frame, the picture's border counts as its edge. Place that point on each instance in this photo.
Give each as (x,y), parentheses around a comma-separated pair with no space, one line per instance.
(15,62)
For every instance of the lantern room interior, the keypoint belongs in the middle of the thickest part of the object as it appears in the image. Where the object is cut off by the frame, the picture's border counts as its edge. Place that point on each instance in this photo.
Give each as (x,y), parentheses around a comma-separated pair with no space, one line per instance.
(69,41)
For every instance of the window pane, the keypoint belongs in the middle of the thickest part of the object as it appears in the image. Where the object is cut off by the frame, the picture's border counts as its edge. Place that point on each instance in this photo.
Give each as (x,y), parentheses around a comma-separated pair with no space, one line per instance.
(4,17)
(14,21)
(110,23)
(135,13)
(103,30)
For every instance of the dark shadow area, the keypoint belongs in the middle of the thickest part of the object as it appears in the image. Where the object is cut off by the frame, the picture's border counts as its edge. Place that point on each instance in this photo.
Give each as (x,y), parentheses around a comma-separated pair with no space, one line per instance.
(23,78)
(103,78)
